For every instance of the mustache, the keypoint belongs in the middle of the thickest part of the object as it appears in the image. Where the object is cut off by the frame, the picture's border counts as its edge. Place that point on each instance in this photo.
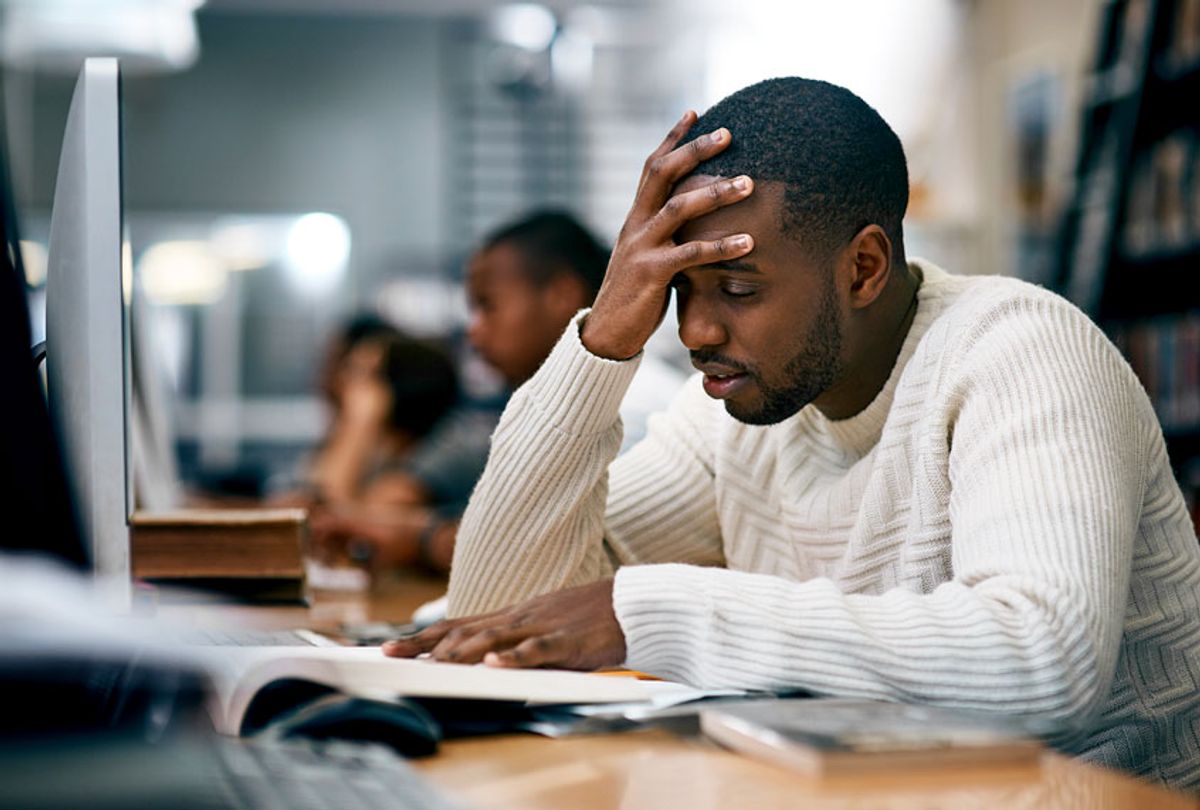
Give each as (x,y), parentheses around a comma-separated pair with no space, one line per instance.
(715,358)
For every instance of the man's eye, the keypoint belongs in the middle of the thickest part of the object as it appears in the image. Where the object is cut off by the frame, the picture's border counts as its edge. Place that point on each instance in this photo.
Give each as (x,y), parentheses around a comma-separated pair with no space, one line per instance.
(738,292)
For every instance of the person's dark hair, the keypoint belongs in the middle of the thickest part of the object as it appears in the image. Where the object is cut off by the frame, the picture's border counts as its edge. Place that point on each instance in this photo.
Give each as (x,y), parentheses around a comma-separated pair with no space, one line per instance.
(363,327)
(842,165)
(420,375)
(423,382)
(554,242)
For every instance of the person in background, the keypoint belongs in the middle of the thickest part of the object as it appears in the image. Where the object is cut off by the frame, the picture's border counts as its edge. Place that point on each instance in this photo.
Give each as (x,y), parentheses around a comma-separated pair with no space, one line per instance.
(524,285)
(386,392)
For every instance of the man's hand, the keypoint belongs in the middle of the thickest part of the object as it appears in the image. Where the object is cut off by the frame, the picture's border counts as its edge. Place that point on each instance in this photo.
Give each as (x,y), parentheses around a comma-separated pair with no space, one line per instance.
(633,298)
(571,629)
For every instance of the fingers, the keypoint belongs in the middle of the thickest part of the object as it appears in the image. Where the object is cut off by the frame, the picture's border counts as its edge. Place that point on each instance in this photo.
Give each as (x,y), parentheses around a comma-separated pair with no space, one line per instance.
(537,651)
(695,254)
(690,205)
(422,642)
(469,644)
(469,641)
(662,172)
(673,137)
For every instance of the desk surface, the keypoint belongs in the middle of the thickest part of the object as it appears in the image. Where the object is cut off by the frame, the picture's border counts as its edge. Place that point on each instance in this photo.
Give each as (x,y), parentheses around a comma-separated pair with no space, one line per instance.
(655,769)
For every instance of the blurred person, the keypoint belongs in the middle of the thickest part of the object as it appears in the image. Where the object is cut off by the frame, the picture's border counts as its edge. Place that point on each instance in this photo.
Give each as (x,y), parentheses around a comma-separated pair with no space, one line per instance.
(524,285)
(386,391)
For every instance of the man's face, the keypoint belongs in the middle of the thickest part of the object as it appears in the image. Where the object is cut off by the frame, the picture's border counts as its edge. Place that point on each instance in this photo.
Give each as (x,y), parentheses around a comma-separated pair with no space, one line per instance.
(765,329)
(513,324)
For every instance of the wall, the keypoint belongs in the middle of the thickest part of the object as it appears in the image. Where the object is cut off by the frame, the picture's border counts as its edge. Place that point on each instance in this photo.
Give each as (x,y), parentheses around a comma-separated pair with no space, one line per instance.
(280,114)
(1010,40)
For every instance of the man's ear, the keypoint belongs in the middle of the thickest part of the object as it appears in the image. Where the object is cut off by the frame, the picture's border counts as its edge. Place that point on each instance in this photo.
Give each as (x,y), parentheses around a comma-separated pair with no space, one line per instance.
(565,294)
(867,262)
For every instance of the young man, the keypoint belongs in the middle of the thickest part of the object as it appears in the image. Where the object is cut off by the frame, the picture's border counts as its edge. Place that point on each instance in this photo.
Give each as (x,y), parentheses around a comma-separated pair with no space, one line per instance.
(887,481)
(524,285)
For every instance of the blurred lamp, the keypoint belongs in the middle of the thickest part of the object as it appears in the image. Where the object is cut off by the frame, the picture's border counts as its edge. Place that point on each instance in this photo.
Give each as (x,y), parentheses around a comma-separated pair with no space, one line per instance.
(148,36)
(318,247)
(35,260)
(528,26)
(182,272)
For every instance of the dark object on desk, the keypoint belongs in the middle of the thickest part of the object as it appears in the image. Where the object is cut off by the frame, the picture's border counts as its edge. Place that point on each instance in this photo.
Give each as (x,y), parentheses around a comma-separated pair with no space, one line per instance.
(832,737)
(63,694)
(400,724)
(203,772)
(372,634)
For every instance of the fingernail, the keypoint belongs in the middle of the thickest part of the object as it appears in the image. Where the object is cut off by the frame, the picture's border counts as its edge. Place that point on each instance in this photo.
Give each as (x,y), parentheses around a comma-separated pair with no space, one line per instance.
(741,183)
(718,135)
(740,241)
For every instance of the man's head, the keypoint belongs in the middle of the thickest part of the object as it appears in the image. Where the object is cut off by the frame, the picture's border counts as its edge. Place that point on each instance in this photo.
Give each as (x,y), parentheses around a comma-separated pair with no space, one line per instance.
(788,323)
(523,286)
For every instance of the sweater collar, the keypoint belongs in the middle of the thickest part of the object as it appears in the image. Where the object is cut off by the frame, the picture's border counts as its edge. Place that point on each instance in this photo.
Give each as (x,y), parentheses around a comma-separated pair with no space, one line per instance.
(857,434)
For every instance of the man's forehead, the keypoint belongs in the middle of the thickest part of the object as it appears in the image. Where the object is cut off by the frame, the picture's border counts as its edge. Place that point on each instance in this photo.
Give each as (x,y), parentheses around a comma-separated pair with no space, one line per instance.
(761,212)
(502,266)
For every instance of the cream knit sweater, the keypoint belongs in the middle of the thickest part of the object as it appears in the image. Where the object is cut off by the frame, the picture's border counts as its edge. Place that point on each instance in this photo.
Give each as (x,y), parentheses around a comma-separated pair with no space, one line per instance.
(999,529)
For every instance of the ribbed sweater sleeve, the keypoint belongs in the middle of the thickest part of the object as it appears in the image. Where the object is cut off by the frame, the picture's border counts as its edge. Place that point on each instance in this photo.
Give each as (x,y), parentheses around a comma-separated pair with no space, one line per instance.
(538,521)
(1045,479)
(534,523)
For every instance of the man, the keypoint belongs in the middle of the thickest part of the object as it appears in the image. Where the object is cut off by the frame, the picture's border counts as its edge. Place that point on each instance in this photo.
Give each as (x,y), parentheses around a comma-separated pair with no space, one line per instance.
(887,482)
(524,285)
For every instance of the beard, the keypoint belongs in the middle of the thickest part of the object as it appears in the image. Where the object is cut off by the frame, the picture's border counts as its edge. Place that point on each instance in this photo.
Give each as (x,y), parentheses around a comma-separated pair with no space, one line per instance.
(812,369)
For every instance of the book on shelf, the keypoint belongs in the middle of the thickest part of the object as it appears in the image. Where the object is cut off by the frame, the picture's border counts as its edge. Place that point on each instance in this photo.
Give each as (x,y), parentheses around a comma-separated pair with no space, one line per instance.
(833,737)
(1164,353)
(1162,212)
(1183,50)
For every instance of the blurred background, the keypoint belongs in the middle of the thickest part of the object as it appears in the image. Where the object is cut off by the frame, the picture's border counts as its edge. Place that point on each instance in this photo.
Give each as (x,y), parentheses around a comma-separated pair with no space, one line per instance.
(291,162)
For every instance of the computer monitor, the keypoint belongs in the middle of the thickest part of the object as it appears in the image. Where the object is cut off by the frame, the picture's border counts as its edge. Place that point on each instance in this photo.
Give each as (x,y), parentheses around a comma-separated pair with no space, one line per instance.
(86,325)
(155,474)
(38,514)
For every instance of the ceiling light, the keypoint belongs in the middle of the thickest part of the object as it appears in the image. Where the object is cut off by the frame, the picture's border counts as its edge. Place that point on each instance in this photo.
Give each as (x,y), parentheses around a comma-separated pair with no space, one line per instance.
(529,26)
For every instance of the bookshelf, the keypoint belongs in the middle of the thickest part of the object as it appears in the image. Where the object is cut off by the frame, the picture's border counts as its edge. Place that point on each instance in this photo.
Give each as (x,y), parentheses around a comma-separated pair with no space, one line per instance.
(1129,248)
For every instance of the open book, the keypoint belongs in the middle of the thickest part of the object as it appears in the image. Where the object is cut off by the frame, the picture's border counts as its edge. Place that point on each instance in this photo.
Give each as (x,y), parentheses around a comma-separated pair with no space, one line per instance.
(249,681)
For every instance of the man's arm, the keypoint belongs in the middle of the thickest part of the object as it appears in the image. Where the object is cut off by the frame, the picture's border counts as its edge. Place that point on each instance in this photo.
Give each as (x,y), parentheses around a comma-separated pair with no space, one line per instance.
(536,519)
(1047,472)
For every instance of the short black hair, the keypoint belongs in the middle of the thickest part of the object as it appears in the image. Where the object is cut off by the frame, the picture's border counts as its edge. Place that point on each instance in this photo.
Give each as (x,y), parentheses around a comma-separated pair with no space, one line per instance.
(842,166)
(554,241)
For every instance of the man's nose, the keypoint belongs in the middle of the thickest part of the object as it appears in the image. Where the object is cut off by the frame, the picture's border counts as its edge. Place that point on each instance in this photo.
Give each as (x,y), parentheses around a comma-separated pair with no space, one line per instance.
(699,326)
(475,330)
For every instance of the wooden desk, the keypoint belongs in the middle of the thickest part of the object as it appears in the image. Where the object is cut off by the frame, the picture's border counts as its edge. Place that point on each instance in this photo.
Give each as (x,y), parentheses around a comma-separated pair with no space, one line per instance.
(655,769)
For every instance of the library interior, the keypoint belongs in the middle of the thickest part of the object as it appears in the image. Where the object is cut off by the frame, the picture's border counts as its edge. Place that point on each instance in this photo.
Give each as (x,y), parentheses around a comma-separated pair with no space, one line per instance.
(403,406)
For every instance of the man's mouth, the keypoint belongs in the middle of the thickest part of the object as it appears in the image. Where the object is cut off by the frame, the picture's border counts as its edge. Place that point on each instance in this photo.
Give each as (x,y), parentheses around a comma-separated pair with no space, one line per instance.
(720,381)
